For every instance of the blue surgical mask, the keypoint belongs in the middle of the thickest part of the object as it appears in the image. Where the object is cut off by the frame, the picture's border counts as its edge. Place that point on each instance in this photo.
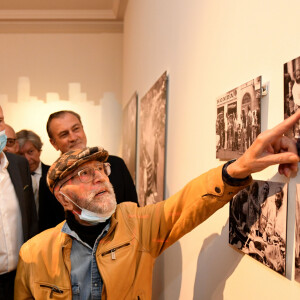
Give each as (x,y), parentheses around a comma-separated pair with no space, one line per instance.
(87,215)
(3,140)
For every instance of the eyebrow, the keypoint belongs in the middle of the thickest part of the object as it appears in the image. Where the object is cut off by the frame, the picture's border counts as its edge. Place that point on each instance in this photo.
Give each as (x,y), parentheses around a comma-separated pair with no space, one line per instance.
(63,132)
(67,130)
(90,166)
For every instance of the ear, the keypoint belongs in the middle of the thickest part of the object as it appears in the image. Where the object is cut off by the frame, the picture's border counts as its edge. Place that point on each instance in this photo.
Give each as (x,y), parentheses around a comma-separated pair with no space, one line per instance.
(67,205)
(52,141)
(17,146)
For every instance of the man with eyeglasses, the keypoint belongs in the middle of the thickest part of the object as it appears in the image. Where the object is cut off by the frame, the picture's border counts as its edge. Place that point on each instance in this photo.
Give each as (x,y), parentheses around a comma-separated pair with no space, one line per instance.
(18,219)
(107,251)
(12,144)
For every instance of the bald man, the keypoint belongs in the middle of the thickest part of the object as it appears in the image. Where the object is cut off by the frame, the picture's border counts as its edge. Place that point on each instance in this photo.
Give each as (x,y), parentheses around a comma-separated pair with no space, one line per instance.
(12,145)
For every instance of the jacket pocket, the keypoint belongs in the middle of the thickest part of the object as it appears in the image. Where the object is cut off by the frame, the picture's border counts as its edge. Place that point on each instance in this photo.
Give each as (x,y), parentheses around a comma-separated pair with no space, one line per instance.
(114,251)
(44,290)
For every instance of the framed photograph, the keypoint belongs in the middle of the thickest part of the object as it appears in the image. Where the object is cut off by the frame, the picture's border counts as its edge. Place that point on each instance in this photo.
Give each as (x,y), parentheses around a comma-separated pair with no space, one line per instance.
(291,93)
(257,223)
(238,119)
(152,135)
(297,236)
(129,135)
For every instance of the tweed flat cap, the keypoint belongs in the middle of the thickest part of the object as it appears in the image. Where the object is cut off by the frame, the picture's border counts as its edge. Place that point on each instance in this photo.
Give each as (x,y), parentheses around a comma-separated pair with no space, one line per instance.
(70,160)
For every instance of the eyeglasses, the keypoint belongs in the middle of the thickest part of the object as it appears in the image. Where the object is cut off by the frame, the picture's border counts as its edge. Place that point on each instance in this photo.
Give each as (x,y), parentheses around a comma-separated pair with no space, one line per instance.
(88,174)
(10,142)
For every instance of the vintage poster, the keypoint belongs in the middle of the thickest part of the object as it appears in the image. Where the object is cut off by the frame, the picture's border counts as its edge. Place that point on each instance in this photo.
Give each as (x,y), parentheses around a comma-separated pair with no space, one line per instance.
(152,135)
(129,135)
(291,90)
(257,223)
(238,119)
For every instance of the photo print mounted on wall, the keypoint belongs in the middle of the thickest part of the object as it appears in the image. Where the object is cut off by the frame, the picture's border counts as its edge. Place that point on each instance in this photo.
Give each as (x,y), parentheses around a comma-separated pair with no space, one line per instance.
(297,236)
(129,135)
(152,135)
(238,119)
(291,90)
(257,223)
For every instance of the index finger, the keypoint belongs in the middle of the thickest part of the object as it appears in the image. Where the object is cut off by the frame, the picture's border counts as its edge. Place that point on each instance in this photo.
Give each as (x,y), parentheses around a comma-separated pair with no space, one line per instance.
(285,125)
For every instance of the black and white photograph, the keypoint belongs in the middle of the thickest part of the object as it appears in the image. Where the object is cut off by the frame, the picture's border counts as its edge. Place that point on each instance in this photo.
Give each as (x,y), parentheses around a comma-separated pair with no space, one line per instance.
(152,135)
(238,119)
(291,79)
(257,223)
(129,135)
(297,236)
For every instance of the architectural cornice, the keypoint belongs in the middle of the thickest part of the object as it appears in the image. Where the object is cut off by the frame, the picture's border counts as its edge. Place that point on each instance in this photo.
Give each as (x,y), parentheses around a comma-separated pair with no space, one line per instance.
(63,17)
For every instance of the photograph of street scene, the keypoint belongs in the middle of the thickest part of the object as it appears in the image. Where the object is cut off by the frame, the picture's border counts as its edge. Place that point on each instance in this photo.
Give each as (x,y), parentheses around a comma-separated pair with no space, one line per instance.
(238,119)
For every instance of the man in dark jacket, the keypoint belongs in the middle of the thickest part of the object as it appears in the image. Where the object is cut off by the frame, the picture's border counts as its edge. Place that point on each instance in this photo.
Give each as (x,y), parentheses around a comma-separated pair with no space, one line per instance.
(49,211)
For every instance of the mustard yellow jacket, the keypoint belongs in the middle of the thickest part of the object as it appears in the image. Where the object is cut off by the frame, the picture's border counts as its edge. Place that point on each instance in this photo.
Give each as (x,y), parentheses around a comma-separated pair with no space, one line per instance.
(126,255)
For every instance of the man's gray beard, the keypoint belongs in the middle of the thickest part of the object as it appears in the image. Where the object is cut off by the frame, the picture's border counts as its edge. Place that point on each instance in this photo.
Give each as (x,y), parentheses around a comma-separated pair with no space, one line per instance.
(104,207)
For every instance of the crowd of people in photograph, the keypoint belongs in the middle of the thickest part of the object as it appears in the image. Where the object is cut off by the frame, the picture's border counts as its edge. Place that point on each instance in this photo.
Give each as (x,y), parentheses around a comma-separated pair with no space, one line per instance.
(237,133)
(258,224)
(292,99)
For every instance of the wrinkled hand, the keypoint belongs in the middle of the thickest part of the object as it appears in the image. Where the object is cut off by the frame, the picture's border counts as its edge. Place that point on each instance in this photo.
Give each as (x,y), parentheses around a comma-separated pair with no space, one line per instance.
(269,148)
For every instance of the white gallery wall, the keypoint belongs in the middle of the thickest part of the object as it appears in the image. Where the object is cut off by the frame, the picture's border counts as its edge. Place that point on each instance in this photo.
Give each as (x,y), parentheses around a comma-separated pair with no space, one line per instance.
(208,48)
(45,72)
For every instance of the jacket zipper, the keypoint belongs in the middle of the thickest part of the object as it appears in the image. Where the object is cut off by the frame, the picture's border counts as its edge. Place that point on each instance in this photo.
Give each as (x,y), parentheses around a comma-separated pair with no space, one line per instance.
(54,289)
(113,251)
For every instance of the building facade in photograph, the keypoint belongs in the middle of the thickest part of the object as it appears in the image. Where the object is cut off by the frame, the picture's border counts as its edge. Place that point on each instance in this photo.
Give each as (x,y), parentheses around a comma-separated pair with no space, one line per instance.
(238,119)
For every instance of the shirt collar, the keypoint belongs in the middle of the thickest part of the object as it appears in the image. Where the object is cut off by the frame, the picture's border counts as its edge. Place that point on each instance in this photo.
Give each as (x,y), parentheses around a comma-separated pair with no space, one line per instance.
(66,229)
(38,170)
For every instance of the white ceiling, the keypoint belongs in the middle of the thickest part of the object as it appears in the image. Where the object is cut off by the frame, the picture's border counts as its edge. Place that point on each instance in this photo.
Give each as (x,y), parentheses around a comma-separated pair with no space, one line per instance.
(62,15)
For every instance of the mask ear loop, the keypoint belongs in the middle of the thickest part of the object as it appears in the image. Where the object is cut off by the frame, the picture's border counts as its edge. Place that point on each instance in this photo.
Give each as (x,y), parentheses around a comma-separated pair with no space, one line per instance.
(73,211)
(3,140)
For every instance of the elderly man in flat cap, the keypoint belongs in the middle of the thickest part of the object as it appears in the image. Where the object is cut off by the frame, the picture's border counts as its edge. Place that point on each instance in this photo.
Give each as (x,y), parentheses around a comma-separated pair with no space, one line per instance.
(107,251)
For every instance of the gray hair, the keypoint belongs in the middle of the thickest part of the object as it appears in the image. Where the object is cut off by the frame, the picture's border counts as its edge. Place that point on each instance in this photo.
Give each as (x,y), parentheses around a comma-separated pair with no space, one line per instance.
(24,136)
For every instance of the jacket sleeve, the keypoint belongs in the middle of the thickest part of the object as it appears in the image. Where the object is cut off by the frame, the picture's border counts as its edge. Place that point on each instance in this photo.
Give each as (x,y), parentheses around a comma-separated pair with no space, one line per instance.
(169,220)
(22,285)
